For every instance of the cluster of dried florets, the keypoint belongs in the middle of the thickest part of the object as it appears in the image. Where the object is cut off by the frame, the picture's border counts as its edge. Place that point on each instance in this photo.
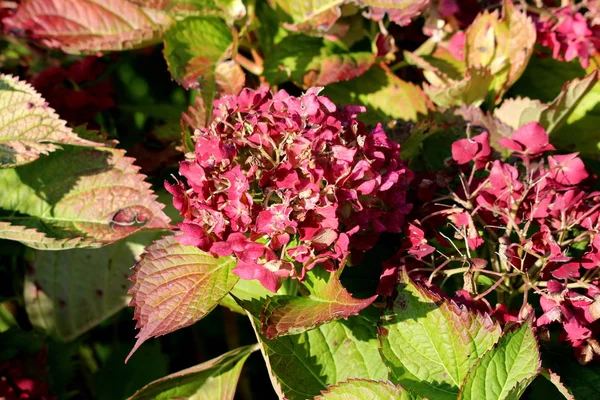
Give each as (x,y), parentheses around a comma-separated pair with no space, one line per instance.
(569,33)
(530,224)
(284,183)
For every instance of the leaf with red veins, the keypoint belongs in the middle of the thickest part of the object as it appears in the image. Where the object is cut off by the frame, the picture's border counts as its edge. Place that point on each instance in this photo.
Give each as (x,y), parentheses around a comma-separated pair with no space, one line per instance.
(399,11)
(328,301)
(230,78)
(96,194)
(88,26)
(175,286)
(29,127)
(184,8)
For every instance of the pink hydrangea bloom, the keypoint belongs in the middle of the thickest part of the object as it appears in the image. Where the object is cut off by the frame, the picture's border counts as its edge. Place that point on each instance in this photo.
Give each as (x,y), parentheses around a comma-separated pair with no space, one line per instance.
(284,183)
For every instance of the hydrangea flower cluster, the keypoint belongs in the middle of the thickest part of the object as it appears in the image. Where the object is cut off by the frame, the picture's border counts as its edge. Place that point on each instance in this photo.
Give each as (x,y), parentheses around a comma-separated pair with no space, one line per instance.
(569,35)
(284,183)
(530,224)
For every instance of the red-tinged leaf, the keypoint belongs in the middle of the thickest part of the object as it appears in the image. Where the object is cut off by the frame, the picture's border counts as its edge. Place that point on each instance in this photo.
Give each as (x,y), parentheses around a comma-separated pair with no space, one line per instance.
(95,194)
(472,89)
(175,286)
(557,382)
(303,11)
(194,47)
(230,78)
(302,366)
(213,379)
(310,61)
(365,389)
(502,46)
(520,111)
(384,94)
(290,315)
(88,26)
(430,344)
(226,8)
(39,240)
(399,11)
(510,110)
(29,127)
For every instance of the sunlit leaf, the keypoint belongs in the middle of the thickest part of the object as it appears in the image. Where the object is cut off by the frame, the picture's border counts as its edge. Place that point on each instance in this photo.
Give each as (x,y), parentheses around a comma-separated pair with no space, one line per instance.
(310,61)
(230,78)
(88,26)
(327,301)
(363,389)
(472,89)
(557,382)
(213,379)
(29,127)
(95,194)
(301,366)
(194,47)
(520,111)
(502,46)
(69,292)
(580,133)
(175,286)
(227,8)
(384,94)
(505,370)
(302,11)
(399,11)
(430,344)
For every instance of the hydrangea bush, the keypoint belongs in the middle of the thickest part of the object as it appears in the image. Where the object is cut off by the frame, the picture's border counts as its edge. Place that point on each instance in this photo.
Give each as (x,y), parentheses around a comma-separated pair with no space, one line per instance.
(367,200)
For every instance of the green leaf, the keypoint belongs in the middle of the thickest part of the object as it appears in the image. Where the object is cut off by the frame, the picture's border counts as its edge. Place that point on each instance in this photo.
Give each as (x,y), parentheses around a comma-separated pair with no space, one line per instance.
(544,78)
(303,11)
(430,344)
(557,382)
(213,379)
(311,61)
(303,365)
(88,26)
(582,380)
(398,11)
(472,89)
(518,112)
(29,127)
(77,197)
(176,286)
(246,290)
(194,47)
(580,133)
(184,8)
(384,94)
(502,46)
(363,389)
(505,370)
(69,292)
(289,315)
